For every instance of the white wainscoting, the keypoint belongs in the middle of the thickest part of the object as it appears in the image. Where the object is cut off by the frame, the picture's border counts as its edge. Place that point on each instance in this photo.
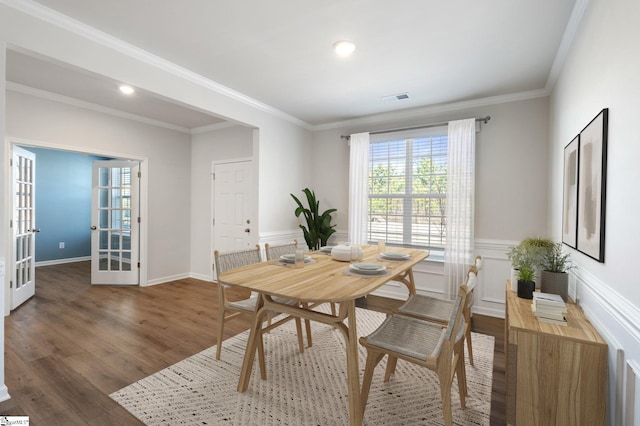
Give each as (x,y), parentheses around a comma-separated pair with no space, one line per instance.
(490,290)
(619,324)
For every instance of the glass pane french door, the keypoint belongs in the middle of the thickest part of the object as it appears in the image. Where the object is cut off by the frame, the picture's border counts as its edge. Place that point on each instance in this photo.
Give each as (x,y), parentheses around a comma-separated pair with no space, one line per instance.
(115,231)
(24,226)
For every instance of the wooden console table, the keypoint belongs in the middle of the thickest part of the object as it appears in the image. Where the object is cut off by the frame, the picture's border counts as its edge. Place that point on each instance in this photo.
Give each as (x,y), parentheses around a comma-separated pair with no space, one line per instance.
(556,375)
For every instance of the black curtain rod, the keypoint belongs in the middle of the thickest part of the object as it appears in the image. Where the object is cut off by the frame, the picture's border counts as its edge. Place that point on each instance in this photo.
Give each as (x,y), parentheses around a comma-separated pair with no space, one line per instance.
(483,120)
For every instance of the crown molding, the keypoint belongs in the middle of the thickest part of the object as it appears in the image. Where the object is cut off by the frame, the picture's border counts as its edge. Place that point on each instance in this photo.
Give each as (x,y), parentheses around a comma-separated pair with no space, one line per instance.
(432,110)
(53,17)
(570,31)
(15,87)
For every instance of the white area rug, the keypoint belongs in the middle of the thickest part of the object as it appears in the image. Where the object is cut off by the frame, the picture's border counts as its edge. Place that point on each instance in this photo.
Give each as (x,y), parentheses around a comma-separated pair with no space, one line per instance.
(303,389)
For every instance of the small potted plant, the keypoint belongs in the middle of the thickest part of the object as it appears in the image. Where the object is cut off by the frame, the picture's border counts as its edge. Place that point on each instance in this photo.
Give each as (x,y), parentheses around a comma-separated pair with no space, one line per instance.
(523,272)
(526,282)
(555,265)
(539,248)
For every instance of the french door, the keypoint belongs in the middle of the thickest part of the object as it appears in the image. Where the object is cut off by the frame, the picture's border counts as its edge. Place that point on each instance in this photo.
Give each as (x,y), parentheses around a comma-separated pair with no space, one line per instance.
(23,280)
(115,223)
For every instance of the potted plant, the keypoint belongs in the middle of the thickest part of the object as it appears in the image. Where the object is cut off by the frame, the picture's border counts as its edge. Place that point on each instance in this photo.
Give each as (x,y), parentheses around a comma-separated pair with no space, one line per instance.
(529,252)
(523,273)
(538,248)
(555,265)
(526,282)
(319,228)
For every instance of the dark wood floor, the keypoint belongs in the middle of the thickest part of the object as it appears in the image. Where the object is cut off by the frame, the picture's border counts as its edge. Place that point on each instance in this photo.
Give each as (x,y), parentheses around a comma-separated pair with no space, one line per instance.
(73,344)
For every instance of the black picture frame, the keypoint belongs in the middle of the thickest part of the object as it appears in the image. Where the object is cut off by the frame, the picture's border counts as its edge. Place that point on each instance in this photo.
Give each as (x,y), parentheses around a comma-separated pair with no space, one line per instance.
(592,177)
(570,193)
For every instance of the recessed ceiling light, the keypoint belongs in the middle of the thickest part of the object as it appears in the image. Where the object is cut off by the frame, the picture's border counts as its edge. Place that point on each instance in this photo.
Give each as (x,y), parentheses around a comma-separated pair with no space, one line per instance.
(127,90)
(344,48)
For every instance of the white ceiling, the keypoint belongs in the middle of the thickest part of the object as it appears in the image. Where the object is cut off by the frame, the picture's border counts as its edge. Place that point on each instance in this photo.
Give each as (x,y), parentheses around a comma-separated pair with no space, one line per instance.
(279,52)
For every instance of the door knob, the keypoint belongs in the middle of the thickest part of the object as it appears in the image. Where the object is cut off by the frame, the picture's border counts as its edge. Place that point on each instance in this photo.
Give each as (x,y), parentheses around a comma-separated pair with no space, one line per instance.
(93,228)
(247,230)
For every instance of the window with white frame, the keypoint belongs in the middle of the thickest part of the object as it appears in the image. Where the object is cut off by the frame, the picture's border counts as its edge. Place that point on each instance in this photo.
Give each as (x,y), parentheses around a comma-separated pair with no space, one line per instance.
(408,188)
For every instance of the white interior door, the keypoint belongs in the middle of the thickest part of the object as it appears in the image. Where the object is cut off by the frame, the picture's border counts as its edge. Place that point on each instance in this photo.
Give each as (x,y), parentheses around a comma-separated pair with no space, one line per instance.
(23,280)
(233,206)
(115,223)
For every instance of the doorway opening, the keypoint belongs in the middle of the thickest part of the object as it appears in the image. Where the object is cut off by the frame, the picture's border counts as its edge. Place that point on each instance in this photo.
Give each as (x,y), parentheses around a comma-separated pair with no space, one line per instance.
(63,211)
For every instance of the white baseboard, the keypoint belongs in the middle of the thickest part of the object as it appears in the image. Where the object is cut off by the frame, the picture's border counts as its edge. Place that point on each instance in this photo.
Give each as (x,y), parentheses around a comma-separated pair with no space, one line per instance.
(63,261)
(164,280)
(4,393)
(201,277)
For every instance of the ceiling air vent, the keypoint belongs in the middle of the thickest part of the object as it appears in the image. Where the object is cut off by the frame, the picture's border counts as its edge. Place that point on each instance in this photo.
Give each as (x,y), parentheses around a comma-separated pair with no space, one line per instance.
(396,97)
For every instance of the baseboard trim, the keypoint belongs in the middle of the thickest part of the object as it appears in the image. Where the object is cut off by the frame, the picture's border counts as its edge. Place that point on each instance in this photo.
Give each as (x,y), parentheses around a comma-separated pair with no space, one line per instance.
(4,393)
(62,261)
(201,277)
(165,280)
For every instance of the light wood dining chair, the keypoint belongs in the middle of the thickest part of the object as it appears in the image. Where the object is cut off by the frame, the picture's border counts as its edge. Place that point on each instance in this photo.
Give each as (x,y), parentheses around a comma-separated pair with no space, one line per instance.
(273,252)
(423,343)
(439,310)
(247,306)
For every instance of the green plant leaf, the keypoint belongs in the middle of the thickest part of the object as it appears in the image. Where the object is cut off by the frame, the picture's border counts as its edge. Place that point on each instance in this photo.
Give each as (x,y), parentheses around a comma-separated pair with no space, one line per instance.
(318,227)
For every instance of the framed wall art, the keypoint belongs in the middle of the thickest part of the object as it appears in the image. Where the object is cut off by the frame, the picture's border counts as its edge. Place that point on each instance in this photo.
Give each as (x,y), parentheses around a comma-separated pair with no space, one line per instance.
(592,176)
(570,193)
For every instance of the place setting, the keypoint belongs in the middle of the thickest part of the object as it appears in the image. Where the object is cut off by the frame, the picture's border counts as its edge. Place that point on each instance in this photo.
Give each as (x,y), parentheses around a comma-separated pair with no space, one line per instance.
(394,256)
(290,259)
(366,269)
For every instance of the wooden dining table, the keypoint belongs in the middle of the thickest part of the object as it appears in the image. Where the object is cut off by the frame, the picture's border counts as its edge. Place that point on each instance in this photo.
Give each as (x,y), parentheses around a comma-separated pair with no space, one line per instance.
(321,279)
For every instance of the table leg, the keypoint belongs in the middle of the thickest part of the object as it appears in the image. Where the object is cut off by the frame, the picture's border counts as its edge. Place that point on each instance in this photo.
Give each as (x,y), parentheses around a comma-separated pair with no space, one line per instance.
(353,371)
(252,344)
(407,279)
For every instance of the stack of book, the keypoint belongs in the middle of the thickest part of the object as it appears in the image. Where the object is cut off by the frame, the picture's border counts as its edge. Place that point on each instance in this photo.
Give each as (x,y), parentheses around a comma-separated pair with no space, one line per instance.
(549,308)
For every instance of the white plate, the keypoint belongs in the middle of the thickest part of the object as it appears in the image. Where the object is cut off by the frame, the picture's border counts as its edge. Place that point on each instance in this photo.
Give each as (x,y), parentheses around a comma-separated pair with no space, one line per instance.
(367,268)
(394,255)
(291,258)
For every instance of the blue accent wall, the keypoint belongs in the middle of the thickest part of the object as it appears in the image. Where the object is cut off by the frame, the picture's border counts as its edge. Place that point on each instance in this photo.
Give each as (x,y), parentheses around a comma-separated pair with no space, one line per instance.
(63,204)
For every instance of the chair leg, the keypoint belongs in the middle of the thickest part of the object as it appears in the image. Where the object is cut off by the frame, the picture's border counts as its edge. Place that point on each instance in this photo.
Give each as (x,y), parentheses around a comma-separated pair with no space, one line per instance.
(461,374)
(391,368)
(445,394)
(467,337)
(220,332)
(333,309)
(300,336)
(373,358)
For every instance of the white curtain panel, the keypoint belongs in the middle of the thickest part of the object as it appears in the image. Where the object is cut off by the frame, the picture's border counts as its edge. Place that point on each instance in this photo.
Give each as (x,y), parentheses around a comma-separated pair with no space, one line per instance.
(358,187)
(458,253)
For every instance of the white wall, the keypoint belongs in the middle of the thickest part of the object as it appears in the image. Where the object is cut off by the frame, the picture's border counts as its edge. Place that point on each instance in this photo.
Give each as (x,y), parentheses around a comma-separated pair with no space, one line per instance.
(603,70)
(511,186)
(224,144)
(168,153)
(286,164)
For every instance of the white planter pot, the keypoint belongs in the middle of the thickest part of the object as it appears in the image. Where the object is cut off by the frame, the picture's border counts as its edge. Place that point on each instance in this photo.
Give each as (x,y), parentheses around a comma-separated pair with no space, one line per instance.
(514,279)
